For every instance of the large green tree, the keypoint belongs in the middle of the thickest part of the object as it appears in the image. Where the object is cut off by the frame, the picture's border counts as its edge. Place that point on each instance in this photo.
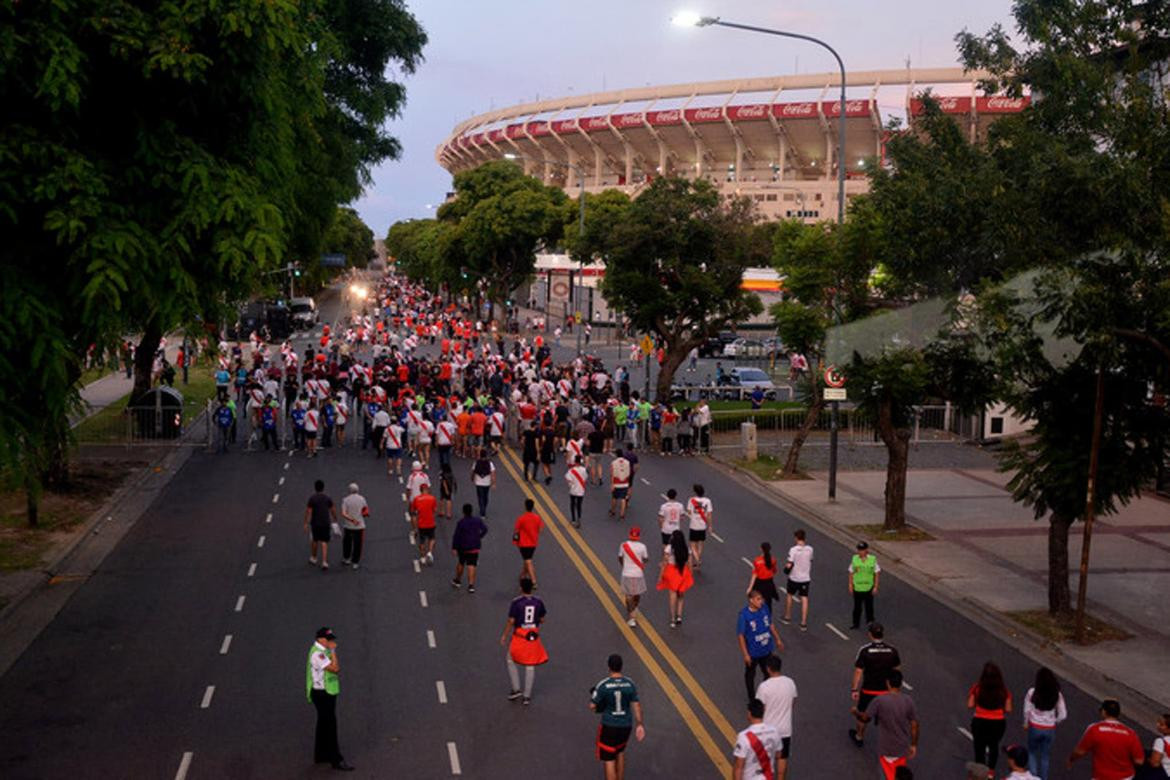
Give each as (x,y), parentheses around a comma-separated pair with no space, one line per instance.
(675,259)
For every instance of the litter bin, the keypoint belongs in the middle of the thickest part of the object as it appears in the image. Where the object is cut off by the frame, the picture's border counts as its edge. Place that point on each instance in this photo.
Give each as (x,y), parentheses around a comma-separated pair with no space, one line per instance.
(158,413)
(747,438)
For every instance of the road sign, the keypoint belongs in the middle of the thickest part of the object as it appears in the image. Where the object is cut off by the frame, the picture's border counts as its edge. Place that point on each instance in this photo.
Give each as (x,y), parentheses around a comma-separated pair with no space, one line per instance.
(577,317)
(333,261)
(834,393)
(647,345)
(834,378)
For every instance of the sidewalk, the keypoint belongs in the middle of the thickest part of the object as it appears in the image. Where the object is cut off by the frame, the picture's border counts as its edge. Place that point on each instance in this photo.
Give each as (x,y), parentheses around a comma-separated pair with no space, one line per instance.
(990,555)
(101,393)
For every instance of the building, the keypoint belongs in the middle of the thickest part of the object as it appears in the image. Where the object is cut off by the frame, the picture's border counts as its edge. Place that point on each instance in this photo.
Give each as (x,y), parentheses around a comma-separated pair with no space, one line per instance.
(771,139)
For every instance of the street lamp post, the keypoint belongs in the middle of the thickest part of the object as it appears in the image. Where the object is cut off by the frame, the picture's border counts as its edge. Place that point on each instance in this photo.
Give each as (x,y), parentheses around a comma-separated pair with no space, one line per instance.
(580,230)
(708,21)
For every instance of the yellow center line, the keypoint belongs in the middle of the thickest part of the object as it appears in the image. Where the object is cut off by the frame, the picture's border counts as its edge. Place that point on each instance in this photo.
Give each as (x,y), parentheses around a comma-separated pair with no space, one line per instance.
(713,712)
(680,703)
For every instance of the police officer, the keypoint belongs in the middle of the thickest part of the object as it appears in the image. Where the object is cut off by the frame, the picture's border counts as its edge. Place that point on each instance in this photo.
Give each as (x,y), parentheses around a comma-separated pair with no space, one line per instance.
(322,688)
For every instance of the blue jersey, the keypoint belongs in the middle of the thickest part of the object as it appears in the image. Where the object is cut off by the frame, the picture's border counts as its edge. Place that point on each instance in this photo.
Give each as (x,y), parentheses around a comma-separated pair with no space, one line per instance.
(329,414)
(755,626)
(223,417)
(268,418)
(613,697)
(298,418)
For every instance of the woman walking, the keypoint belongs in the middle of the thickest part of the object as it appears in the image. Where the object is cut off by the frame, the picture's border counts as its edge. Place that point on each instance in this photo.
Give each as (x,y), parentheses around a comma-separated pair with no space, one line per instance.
(676,576)
(483,474)
(991,701)
(763,576)
(447,488)
(1043,709)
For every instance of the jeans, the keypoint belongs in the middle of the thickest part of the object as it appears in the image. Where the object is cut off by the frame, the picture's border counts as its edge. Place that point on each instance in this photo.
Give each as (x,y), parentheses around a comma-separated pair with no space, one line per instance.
(987,734)
(575,509)
(1039,750)
(862,598)
(481,493)
(224,435)
(749,674)
(351,544)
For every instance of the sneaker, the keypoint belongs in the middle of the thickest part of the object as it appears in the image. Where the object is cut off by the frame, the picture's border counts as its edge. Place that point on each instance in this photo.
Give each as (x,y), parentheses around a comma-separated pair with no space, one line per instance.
(456,584)
(514,696)
(786,621)
(526,700)
(430,559)
(856,739)
(324,567)
(356,566)
(803,627)
(672,623)
(678,620)
(471,589)
(345,561)
(312,560)
(631,622)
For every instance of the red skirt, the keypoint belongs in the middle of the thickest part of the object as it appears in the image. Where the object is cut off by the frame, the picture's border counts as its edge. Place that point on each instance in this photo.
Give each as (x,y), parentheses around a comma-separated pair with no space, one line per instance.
(673,579)
(526,648)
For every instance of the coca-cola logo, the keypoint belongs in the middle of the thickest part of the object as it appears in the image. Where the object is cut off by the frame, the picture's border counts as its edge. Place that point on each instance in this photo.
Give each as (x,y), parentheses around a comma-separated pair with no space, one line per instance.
(628,120)
(750,112)
(948,104)
(565,125)
(596,123)
(706,114)
(1005,103)
(851,107)
(665,117)
(538,128)
(514,131)
(798,109)
(495,135)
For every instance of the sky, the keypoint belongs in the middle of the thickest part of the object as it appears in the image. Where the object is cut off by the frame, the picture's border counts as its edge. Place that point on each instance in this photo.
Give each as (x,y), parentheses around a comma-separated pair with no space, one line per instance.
(483,56)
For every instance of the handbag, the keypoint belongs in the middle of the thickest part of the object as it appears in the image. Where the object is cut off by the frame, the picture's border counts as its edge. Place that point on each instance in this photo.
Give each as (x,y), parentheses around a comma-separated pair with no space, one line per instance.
(336,529)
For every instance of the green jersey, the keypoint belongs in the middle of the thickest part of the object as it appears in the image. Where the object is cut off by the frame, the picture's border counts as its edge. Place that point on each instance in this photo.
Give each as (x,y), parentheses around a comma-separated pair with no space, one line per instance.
(863,572)
(613,697)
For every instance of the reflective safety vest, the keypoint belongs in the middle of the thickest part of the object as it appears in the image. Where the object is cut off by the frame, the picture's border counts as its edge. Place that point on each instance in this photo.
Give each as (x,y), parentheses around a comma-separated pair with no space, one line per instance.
(332,684)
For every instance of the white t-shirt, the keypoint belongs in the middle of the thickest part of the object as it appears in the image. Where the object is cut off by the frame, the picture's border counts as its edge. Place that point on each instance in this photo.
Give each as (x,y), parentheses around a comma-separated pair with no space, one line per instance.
(670,516)
(312,420)
(778,695)
(699,513)
(445,433)
(1162,745)
(620,471)
(800,556)
(415,482)
(425,432)
(577,478)
(381,419)
(351,510)
(484,480)
(629,567)
(393,436)
(743,749)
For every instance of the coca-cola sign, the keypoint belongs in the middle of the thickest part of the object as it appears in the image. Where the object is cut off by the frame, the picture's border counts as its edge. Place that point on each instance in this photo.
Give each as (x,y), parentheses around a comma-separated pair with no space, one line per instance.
(514,131)
(948,105)
(756,111)
(595,123)
(1001,104)
(496,135)
(538,128)
(853,108)
(794,110)
(628,120)
(659,118)
(714,114)
(564,126)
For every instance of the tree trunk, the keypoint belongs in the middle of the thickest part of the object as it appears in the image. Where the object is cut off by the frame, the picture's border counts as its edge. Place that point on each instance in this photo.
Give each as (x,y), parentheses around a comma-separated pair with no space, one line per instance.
(674,359)
(897,441)
(32,499)
(144,358)
(815,407)
(1059,596)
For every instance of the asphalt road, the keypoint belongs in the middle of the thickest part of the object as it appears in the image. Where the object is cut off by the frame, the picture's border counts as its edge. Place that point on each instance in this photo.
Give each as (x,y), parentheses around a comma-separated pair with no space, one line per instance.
(116,685)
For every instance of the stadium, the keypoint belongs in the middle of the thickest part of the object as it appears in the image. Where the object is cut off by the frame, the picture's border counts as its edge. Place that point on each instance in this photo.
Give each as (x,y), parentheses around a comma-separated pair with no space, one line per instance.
(771,139)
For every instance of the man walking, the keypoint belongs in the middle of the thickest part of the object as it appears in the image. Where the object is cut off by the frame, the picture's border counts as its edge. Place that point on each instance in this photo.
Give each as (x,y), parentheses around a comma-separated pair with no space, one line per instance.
(526,614)
(576,477)
(322,688)
(1114,746)
(422,522)
(633,556)
(526,536)
(354,511)
(778,693)
(864,578)
(755,747)
(872,668)
(319,519)
(799,571)
(615,697)
(757,637)
(465,544)
(897,725)
(619,471)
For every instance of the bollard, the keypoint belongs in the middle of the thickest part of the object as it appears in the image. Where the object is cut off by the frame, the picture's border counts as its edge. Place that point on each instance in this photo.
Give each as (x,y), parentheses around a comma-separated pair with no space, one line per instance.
(747,438)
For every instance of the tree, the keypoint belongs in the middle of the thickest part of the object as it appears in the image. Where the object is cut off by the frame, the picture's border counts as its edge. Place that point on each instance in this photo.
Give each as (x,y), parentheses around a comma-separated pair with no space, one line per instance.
(674,266)
(419,246)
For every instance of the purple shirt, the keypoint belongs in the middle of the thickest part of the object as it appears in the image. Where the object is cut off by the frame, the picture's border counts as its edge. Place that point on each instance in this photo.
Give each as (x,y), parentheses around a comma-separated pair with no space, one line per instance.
(526,611)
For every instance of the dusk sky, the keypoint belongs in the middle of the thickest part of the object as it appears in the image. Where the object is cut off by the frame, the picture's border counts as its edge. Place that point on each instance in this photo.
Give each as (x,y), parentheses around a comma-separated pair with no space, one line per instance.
(492,55)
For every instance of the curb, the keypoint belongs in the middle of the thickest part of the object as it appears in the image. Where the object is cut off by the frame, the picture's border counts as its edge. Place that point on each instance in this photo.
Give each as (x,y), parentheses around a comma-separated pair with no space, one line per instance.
(1139,707)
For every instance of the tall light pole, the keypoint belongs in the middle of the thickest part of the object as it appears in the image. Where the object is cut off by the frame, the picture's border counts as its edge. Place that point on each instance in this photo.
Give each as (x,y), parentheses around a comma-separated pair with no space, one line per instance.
(695,20)
(580,229)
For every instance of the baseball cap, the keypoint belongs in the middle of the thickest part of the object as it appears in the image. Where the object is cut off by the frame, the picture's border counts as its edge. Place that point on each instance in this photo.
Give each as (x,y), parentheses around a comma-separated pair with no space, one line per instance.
(416,465)
(635,532)
(1017,753)
(863,545)
(326,633)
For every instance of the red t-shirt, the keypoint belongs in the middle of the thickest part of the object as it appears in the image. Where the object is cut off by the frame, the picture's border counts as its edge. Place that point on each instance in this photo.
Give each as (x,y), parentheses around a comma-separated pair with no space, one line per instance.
(424,508)
(1115,747)
(527,529)
(761,571)
(986,714)
(478,421)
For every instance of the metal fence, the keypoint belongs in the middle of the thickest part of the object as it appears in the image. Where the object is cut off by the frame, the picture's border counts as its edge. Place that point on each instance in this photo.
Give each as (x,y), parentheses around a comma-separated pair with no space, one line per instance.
(776,428)
(688,392)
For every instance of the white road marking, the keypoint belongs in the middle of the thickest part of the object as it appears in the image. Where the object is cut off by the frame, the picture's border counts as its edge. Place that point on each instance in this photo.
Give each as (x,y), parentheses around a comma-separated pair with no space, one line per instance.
(281,480)
(431,639)
(417,567)
(412,539)
(966,733)
(716,537)
(240,604)
(185,764)
(275,497)
(644,480)
(252,570)
(907,686)
(404,497)
(286,466)
(407,516)
(400,480)
(227,642)
(207,694)
(260,541)
(836,631)
(268,518)
(663,497)
(745,560)
(290,453)
(453,754)
(442,690)
(422,598)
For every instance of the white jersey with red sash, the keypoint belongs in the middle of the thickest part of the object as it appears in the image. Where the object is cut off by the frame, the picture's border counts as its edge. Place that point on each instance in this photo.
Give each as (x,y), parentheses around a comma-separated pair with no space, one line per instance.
(577,478)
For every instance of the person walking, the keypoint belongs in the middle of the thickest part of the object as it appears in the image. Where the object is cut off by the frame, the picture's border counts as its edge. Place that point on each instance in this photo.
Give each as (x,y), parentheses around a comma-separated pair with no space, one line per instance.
(897,726)
(1018,759)
(422,522)
(756,746)
(322,688)
(798,567)
(530,452)
(778,693)
(758,639)
(864,579)
(415,480)
(1114,747)
(619,473)
(633,556)
(576,478)
(669,517)
(465,544)
(447,488)
(1159,759)
(526,536)
(483,476)
(676,577)
(699,519)
(1044,708)
(872,667)
(392,445)
(763,574)
(354,511)
(526,614)
(991,701)
(320,517)
(615,698)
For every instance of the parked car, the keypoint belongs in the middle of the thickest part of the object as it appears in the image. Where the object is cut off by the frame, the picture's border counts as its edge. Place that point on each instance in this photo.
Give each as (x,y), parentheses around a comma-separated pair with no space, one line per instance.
(716,344)
(749,378)
(773,346)
(744,348)
(304,313)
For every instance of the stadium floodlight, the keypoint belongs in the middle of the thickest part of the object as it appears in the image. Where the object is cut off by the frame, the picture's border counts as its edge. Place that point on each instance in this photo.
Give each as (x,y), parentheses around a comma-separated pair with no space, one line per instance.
(692,19)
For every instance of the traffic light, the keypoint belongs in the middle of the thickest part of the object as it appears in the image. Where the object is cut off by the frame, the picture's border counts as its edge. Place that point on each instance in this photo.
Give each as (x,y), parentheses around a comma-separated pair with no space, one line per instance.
(463,272)
(296,272)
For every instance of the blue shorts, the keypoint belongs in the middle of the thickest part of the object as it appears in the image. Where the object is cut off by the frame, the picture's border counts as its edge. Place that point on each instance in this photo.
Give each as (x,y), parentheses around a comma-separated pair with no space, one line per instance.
(393,454)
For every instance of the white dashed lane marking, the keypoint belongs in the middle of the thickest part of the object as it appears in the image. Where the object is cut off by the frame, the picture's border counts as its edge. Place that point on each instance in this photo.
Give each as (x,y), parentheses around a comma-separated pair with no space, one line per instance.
(227,643)
(430,639)
(453,754)
(422,598)
(252,570)
(417,566)
(907,686)
(240,604)
(716,537)
(966,733)
(441,689)
(286,466)
(185,764)
(268,518)
(281,480)
(644,480)
(260,541)
(207,694)
(404,497)
(836,631)
(275,497)
(745,560)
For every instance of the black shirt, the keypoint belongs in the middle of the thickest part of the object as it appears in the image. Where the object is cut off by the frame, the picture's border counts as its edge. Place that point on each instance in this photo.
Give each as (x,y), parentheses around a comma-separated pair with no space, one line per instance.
(876,660)
(320,504)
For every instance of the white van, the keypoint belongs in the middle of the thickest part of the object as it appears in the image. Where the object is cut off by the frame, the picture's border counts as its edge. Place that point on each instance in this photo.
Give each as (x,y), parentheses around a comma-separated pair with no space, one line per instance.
(304,312)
